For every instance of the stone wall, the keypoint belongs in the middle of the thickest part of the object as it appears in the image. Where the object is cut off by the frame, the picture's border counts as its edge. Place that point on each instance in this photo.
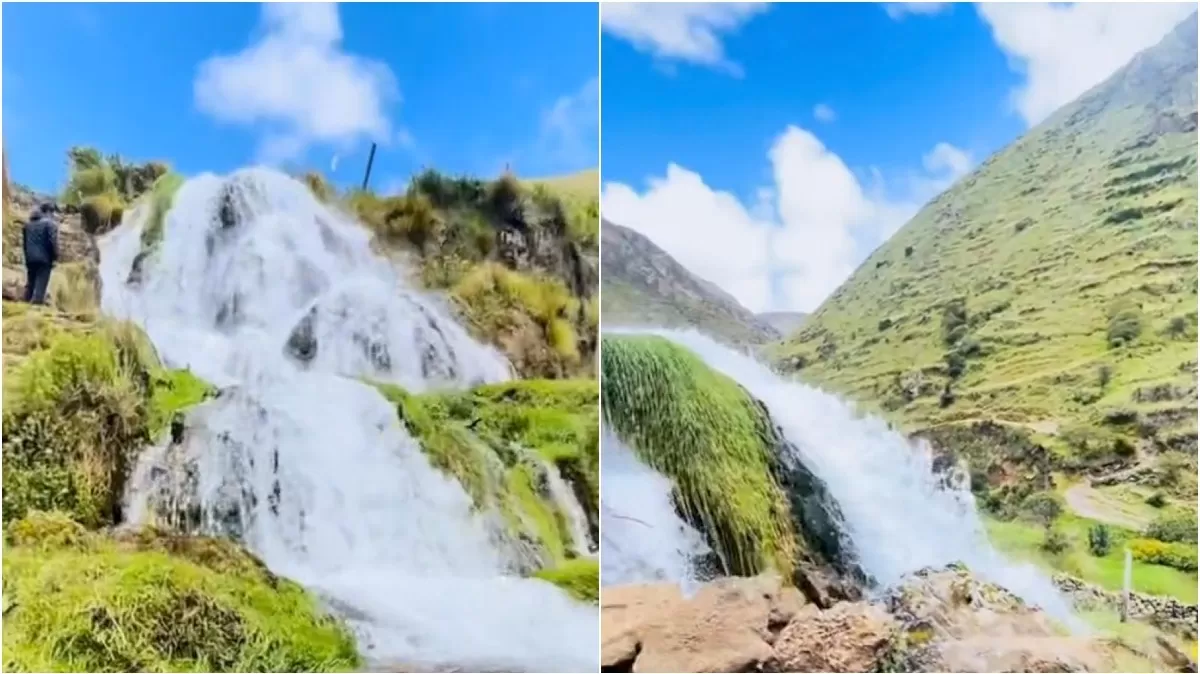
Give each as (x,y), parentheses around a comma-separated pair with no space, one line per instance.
(1167,612)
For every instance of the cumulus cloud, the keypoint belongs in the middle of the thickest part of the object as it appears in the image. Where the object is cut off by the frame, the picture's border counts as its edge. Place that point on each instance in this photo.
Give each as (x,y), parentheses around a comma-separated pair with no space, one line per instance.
(802,235)
(679,31)
(824,113)
(898,10)
(297,85)
(570,127)
(1064,50)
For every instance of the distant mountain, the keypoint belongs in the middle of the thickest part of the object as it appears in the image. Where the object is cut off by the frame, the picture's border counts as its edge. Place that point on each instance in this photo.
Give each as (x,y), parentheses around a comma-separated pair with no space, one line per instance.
(1052,290)
(642,285)
(785,322)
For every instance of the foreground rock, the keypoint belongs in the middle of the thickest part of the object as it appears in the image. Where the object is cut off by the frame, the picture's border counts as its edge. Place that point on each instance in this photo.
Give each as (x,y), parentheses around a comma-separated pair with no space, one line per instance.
(936,621)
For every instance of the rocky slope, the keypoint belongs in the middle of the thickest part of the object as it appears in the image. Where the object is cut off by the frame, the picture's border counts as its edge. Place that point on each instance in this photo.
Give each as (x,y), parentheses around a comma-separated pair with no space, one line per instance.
(1039,317)
(643,285)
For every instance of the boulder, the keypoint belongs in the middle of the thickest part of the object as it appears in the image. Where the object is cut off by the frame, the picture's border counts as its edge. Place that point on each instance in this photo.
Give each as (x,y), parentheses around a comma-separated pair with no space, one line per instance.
(850,637)
(727,626)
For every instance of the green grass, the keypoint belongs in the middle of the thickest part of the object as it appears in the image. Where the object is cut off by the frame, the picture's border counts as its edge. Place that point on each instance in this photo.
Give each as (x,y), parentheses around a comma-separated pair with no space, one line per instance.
(78,602)
(162,195)
(579,577)
(497,438)
(82,399)
(707,434)
(1022,540)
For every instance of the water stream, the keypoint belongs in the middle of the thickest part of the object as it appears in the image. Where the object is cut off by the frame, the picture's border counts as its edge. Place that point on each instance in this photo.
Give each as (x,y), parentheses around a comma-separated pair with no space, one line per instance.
(262,290)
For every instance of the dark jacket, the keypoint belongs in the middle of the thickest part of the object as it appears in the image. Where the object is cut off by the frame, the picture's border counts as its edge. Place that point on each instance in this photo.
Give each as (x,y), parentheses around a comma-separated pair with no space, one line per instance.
(41,240)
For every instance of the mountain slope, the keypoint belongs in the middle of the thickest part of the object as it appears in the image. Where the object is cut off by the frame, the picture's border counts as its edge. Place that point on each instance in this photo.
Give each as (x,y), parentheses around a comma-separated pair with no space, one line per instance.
(1052,290)
(785,322)
(642,285)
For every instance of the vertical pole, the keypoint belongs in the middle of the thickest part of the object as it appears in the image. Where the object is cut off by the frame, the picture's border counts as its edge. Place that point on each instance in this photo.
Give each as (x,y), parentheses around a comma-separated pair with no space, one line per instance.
(370,161)
(1127,587)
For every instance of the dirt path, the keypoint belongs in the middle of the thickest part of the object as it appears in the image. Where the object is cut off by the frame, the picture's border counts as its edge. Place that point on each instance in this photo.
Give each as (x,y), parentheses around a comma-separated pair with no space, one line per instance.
(1089,502)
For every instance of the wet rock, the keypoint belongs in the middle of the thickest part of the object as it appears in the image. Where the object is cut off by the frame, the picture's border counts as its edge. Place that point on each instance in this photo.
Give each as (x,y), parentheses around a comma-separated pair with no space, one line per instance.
(302,343)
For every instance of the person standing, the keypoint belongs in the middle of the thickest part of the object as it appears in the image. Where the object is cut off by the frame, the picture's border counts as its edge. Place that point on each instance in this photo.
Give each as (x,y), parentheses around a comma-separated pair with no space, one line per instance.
(40,239)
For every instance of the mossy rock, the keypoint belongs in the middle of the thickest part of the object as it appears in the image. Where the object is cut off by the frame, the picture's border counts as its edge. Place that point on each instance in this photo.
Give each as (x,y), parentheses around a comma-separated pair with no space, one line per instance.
(580,578)
(82,399)
(706,433)
(153,602)
(498,440)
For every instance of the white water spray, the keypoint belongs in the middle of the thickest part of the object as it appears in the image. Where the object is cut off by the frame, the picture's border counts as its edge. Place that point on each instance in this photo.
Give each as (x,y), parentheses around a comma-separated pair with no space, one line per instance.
(644,539)
(260,289)
(898,514)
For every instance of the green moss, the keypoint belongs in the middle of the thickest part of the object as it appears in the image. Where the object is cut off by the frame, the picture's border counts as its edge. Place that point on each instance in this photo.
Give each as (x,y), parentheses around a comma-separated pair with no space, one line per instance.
(142,604)
(79,405)
(579,577)
(497,439)
(162,195)
(707,434)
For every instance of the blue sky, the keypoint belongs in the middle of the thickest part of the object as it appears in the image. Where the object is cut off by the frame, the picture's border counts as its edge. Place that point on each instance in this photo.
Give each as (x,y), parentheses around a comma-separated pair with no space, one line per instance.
(211,87)
(770,148)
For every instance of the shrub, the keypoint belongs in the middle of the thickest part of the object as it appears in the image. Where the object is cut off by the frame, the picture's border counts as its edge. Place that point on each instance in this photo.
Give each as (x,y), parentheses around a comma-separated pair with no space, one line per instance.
(1043,507)
(1098,540)
(1054,541)
(956,364)
(1175,555)
(101,213)
(76,413)
(1124,323)
(954,320)
(1156,500)
(1104,375)
(1173,527)
(908,251)
(1178,327)
(885,324)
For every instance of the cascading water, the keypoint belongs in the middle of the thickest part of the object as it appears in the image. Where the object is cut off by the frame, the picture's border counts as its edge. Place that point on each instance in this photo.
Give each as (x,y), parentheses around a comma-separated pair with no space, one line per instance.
(260,289)
(560,492)
(899,515)
(643,537)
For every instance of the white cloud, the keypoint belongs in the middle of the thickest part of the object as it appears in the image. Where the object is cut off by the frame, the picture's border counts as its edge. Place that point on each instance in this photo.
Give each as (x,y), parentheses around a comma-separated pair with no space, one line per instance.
(298,86)
(1064,50)
(570,127)
(803,235)
(824,113)
(679,31)
(898,10)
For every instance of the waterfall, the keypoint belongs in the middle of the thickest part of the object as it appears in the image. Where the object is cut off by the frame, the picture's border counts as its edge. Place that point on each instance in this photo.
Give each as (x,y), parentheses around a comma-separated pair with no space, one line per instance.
(643,537)
(262,290)
(899,515)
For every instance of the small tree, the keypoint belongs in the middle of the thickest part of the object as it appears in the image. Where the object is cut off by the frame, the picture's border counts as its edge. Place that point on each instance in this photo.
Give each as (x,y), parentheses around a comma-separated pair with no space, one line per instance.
(1043,506)
(1104,375)
(1098,540)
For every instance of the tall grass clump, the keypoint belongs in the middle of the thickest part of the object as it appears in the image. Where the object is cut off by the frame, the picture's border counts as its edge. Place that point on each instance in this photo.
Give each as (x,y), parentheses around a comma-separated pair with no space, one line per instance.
(162,195)
(708,435)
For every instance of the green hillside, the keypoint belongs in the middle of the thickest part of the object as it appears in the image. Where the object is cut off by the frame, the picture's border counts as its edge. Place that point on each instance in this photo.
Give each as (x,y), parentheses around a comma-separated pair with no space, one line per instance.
(1053,287)
(1038,319)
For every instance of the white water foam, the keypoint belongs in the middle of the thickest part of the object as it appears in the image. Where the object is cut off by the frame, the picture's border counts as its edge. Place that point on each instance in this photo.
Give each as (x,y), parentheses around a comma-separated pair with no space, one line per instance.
(898,513)
(643,537)
(309,466)
(562,495)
